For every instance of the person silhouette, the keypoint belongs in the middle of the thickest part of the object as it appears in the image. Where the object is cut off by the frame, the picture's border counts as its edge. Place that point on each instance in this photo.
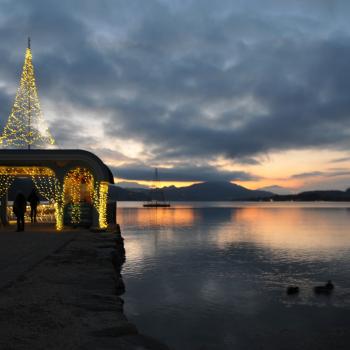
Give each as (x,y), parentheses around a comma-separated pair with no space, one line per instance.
(19,209)
(33,199)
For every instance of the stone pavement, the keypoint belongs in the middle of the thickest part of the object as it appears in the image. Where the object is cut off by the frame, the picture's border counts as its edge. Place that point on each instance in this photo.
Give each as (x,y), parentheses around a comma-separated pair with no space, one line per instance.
(67,296)
(21,251)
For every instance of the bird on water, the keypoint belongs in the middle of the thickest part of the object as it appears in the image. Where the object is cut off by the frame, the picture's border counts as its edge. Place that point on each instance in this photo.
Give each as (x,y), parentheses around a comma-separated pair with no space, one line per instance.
(325,289)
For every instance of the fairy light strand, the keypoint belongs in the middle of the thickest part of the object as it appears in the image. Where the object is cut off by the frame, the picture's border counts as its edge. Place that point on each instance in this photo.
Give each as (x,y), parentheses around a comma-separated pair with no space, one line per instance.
(78,187)
(5,183)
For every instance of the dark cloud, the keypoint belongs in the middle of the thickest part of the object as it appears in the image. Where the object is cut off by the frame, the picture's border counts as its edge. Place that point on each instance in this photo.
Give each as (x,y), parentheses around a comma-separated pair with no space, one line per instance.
(290,112)
(191,80)
(307,174)
(180,173)
(331,173)
(340,160)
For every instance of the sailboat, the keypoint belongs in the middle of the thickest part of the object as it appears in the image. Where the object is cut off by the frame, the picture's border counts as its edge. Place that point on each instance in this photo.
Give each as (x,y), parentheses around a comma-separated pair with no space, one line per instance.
(157,198)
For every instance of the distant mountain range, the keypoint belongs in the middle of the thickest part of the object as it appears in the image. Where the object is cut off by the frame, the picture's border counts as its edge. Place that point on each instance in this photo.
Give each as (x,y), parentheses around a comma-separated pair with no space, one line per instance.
(227,191)
(206,191)
(276,189)
(311,196)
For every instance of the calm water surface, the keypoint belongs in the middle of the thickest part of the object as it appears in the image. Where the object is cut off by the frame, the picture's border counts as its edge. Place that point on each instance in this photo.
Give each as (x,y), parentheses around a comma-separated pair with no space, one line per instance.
(213,275)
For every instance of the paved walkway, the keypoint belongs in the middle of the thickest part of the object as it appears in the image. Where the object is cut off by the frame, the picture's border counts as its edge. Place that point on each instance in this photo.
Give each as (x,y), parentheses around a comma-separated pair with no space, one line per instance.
(21,251)
(69,300)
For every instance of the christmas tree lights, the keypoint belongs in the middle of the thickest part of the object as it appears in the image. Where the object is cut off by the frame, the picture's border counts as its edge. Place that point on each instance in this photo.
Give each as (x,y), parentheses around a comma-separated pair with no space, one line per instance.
(26,126)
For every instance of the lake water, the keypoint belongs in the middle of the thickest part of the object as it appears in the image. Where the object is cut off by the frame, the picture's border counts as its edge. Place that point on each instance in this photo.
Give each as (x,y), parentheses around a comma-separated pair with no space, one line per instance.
(214,275)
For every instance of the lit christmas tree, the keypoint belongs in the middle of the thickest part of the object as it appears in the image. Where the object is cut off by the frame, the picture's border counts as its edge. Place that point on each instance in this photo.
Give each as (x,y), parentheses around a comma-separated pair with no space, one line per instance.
(26,126)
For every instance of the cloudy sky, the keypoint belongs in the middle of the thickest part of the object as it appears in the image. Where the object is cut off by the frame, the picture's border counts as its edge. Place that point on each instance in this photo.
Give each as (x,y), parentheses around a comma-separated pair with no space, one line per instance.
(204,90)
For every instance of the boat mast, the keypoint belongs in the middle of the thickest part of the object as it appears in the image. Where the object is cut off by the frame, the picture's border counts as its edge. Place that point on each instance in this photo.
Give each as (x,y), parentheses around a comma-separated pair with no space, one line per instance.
(157,197)
(156,181)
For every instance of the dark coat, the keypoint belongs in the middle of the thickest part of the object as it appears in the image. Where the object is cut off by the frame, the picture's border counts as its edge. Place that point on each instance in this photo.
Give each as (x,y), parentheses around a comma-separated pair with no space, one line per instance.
(33,199)
(20,204)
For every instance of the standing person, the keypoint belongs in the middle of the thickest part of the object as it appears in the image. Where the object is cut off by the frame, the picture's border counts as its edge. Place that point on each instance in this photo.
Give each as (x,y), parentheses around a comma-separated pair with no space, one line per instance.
(33,199)
(19,209)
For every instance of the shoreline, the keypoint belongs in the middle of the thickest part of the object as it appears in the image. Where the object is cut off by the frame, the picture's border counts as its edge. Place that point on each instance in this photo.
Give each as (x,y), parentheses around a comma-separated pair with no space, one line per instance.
(72,300)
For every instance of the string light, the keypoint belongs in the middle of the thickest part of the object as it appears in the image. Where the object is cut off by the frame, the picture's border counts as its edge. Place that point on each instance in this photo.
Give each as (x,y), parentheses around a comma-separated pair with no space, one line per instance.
(102,210)
(8,174)
(5,183)
(78,187)
(46,186)
(45,182)
(100,202)
(26,126)
(51,189)
(25,171)
(59,205)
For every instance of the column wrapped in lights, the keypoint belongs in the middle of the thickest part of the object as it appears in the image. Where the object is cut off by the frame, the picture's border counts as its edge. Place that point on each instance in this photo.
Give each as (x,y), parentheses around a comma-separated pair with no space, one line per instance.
(59,205)
(100,202)
(51,189)
(102,210)
(79,188)
(95,193)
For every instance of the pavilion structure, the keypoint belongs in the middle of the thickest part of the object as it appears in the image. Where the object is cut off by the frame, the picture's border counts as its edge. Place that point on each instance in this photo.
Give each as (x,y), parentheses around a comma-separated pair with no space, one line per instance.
(74,180)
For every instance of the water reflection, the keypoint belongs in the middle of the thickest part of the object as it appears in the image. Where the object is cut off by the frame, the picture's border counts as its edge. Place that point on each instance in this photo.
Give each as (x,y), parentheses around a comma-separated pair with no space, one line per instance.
(156,217)
(293,229)
(214,274)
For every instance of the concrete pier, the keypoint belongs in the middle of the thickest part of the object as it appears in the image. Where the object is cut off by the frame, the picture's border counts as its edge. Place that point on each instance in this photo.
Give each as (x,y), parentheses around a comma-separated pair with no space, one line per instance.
(61,291)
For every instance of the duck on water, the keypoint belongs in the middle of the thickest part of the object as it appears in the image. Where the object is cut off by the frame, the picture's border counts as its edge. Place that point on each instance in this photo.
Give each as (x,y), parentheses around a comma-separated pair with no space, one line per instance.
(325,289)
(292,290)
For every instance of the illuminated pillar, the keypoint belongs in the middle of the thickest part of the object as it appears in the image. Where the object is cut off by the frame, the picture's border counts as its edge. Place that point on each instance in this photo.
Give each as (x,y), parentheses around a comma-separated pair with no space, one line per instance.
(59,200)
(59,215)
(102,207)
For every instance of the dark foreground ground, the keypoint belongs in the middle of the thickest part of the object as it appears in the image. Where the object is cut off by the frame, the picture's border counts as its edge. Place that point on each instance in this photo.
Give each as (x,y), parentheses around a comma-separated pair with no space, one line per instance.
(60,291)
